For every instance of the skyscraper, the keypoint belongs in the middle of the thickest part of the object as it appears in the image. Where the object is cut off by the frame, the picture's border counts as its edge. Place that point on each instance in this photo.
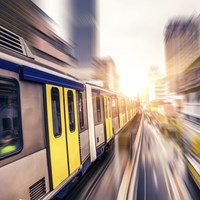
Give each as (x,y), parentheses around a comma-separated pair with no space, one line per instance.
(84,28)
(182,47)
(105,70)
(153,76)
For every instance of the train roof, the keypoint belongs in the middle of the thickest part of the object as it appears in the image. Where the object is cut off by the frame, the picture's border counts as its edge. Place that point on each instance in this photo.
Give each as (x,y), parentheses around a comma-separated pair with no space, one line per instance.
(16,56)
(98,89)
(35,72)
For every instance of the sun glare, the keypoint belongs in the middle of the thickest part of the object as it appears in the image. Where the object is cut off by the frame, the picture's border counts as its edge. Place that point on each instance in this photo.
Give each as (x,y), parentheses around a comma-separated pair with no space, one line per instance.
(131,84)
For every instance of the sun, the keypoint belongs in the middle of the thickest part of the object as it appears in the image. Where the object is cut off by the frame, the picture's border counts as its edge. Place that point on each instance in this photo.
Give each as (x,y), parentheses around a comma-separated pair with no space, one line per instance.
(131,84)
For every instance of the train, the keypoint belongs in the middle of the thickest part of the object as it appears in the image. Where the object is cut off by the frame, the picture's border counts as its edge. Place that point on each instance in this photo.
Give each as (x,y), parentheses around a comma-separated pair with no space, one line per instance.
(52,126)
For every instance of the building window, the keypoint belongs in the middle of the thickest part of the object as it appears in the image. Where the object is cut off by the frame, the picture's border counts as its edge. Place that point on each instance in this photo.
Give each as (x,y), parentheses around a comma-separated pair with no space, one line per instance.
(80,111)
(114,107)
(71,110)
(98,105)
(56,115)
(10,119)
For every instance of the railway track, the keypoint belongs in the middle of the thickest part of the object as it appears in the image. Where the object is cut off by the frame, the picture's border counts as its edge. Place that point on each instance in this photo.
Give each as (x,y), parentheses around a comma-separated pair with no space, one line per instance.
(85,188)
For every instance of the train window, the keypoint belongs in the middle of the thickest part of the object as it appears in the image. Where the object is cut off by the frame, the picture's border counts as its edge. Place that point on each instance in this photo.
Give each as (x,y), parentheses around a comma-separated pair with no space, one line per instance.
(6,122)
(123,106)
(80,104)
(71,110)
(98,105)
(114,107)
(15,122)
(10,119)
(55,98)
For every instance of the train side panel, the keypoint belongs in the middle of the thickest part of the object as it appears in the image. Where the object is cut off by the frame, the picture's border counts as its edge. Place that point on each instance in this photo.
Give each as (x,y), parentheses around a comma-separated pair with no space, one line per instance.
(23,174)
(92,136)
(19,172)
(83,126)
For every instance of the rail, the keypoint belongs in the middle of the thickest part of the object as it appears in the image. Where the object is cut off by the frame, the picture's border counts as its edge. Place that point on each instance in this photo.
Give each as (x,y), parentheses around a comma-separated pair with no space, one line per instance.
(130,177)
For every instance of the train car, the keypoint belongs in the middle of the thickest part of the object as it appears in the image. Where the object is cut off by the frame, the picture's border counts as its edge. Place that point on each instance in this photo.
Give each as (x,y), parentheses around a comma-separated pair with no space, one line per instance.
(40,150)
(99,119)
(123,111)
(84,130)
(128,108)
(52,126)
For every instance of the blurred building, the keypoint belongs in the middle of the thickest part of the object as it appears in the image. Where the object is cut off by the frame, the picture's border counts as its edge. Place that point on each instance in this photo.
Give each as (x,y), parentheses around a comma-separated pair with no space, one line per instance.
(84,31)
(162,89)
(105,72)
(182,47)
(153,76)
(28,21)
(143,96)
(190,89)
(61,12)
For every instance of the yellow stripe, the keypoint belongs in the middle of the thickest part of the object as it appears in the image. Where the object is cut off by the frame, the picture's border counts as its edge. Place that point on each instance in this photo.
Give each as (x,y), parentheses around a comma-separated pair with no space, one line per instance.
(195,175)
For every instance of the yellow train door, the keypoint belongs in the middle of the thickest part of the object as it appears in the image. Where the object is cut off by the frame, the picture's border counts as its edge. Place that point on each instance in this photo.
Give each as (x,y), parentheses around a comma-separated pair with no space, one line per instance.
(108,117)
(72,129)
(56,134)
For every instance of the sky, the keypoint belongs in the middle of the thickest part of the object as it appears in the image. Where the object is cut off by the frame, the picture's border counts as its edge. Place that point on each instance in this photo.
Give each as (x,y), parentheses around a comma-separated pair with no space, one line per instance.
(131,32)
